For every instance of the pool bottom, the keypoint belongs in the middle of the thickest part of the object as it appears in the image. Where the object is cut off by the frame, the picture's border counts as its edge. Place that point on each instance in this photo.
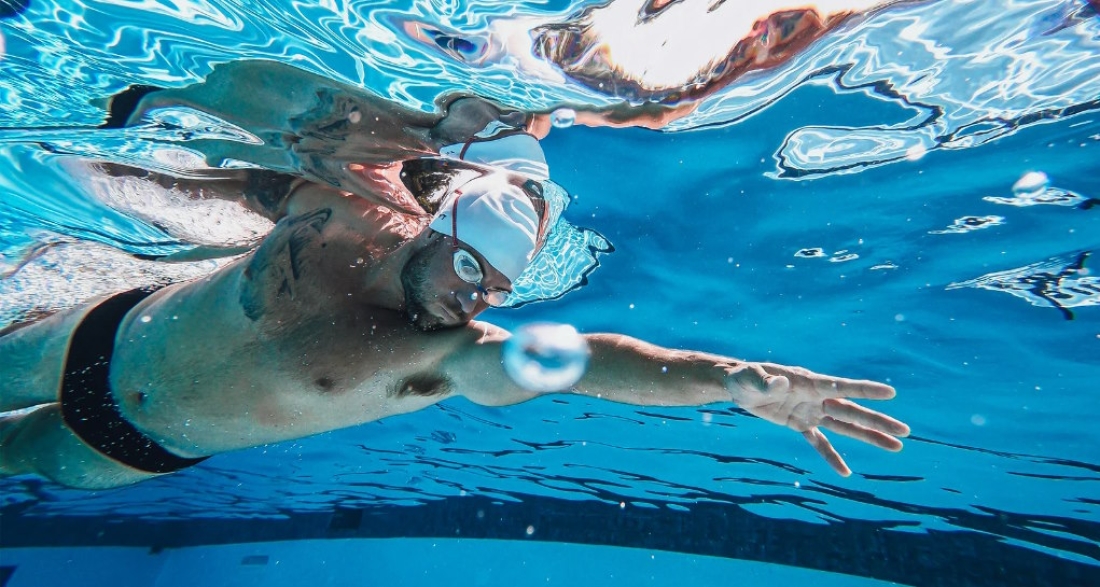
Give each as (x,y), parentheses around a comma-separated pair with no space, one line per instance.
(400,561)
(987,549)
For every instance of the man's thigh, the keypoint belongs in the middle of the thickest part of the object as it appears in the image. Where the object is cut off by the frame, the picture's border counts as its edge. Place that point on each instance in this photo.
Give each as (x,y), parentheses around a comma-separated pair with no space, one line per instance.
(34,359)
(40,442)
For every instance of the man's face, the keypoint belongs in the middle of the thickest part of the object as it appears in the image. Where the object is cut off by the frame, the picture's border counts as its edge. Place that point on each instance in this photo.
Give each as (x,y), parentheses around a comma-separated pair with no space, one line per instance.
(435,297)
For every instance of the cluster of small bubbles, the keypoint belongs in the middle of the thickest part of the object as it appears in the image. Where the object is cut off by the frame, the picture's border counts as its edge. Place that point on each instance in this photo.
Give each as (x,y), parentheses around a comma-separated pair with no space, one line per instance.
(545,357)
(977,420)
(563,118)
(899,317)
(530,530)
(1031,182)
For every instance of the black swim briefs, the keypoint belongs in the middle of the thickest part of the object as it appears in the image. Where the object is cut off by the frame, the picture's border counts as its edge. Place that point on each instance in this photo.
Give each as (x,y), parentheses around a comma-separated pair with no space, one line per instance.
(87,404)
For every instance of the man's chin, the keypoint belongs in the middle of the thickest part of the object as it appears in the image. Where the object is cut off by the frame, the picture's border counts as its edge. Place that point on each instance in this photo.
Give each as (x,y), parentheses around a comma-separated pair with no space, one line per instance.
(427,322)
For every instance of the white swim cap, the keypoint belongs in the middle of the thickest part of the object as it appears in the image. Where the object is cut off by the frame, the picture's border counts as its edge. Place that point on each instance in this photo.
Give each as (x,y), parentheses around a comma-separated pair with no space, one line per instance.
(495,218)
(519,153)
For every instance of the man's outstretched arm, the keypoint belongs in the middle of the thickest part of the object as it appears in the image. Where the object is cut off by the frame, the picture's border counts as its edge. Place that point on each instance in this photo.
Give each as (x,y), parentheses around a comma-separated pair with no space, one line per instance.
(627,370)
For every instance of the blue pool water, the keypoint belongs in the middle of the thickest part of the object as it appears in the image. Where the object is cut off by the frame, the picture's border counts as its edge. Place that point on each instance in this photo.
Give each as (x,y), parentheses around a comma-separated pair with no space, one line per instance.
(851,211)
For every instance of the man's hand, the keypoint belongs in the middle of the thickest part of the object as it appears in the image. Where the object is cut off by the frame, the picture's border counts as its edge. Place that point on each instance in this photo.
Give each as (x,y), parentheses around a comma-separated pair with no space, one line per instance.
(806,402)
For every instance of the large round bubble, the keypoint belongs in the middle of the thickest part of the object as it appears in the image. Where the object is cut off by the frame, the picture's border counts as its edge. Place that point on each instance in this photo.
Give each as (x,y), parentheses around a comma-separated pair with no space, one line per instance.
(563,117)
(1031,182)
(545,357)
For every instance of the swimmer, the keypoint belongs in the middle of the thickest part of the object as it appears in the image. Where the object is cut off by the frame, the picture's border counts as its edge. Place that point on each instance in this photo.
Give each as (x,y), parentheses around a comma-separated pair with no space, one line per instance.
(359,305)
(348,312)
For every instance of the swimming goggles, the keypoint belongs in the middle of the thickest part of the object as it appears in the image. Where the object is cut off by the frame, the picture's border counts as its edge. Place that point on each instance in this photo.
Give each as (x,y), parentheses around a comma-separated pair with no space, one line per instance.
(467,267)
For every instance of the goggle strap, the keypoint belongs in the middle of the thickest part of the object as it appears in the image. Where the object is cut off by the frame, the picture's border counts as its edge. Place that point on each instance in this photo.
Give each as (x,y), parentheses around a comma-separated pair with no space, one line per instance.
(454,219)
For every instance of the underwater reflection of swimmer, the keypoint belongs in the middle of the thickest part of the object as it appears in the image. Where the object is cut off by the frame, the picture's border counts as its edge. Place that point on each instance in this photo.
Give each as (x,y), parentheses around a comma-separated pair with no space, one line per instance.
(672,52)
(360,304)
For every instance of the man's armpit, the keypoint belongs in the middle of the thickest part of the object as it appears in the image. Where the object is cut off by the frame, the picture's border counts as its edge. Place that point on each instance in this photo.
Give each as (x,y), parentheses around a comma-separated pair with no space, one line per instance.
(278,267)
(267,192)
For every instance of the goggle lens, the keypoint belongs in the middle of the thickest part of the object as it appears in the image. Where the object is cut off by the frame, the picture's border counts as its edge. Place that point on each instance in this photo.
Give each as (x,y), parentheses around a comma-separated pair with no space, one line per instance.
(467,267)
(469,270)
(495,297)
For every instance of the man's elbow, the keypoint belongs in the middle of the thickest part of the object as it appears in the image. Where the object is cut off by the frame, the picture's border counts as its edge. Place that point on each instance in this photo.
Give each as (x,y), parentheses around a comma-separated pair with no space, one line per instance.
(499,396)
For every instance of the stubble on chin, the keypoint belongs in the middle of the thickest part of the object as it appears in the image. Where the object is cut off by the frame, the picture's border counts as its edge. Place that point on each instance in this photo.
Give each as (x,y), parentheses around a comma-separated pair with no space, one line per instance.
(414,280)
(422,320)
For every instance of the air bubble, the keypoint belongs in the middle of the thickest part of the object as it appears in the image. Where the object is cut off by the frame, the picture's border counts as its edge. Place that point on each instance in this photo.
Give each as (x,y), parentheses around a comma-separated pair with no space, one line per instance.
(563,117)
(1031,182)
(545,357)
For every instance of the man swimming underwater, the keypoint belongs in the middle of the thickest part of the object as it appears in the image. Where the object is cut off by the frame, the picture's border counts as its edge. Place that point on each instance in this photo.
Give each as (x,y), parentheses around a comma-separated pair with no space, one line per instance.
(359,305)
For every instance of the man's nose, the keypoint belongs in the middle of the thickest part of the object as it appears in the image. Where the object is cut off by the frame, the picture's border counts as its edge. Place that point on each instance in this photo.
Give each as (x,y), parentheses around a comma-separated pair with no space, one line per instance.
(466,301)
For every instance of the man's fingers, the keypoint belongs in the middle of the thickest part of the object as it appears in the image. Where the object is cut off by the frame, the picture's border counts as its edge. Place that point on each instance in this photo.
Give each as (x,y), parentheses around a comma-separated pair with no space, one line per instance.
(833,386)
(872,437)
(847,411)
(826,450)
(862,389)
(777,384)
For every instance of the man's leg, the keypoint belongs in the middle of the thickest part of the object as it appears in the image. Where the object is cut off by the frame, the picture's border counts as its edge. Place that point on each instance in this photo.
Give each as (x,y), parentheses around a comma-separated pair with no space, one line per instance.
(39,442)
(33,359)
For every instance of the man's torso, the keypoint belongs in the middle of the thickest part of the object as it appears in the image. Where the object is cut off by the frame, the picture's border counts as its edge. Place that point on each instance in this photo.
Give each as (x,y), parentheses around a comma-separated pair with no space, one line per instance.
(277,345)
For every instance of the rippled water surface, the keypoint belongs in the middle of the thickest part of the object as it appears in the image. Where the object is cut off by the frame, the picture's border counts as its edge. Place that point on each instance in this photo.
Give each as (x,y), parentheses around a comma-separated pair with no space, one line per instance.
(863,208)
